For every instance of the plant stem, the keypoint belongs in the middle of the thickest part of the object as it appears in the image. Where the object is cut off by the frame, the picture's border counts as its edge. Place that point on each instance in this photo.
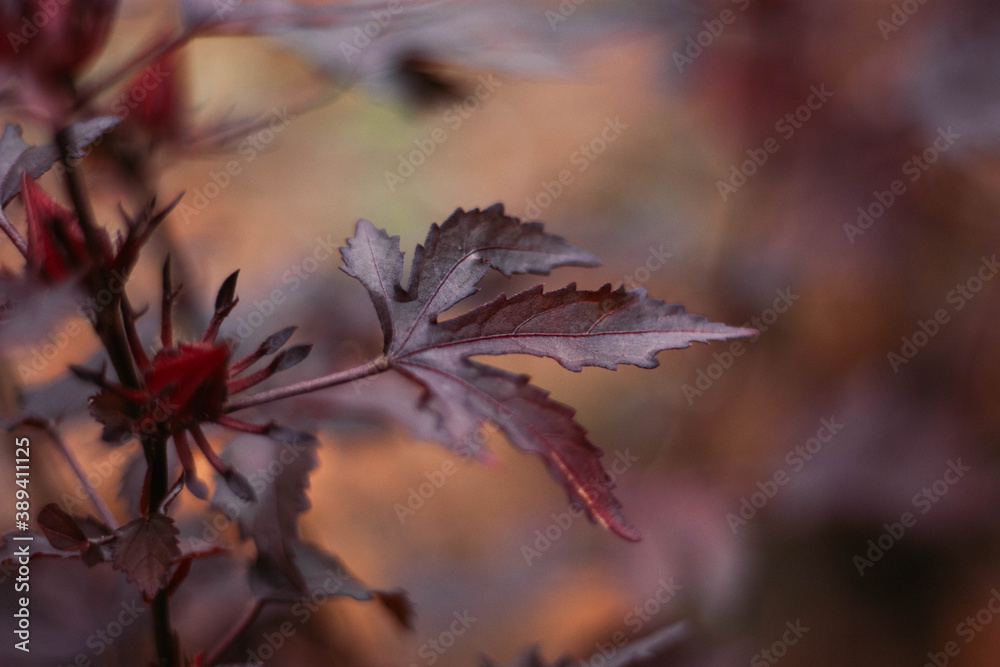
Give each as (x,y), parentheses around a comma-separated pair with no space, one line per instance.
(155,449)
(15,236)
(370,368)
(234,633)
(110,329)
(143,58)
(74,463)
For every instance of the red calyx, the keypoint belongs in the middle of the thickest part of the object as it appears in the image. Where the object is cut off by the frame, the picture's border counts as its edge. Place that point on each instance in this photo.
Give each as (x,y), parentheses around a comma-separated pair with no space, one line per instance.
(191,380)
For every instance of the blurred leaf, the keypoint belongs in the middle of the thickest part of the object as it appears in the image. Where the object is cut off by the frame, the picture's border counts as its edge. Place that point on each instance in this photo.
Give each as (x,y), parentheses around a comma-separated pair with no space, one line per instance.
(278,474)
(323,576)
(16,155)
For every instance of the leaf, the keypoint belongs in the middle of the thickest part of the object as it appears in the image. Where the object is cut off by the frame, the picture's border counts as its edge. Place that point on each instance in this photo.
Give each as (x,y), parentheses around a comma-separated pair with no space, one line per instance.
(577,328)
(61,529)
(16,155)
(447,267)
(145,549)
(322,576)
(278,474)
(413,52)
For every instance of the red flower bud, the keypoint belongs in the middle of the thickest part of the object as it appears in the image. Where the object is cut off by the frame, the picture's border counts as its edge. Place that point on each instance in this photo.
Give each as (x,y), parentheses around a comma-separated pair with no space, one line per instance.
(53,37)
(152,100)
(191,380)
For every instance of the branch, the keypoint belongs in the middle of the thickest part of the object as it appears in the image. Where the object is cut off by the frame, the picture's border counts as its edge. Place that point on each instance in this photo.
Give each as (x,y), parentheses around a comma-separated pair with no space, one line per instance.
(48,427)
(373,367)
(15,236)
(150,54)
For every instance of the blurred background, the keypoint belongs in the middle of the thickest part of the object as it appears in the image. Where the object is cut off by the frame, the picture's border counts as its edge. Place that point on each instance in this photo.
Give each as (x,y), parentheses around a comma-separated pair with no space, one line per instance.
(823,495)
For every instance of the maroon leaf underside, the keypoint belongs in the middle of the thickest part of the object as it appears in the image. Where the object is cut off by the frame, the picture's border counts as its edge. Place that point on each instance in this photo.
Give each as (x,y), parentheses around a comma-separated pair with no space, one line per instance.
(577,328)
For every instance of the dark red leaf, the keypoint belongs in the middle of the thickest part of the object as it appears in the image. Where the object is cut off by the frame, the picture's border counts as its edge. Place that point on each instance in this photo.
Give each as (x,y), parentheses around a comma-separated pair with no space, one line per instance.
(578,328)
(145,550)
(61,529)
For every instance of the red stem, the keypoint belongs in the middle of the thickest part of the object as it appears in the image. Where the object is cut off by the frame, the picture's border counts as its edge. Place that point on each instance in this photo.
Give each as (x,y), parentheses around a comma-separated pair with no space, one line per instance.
(370,368)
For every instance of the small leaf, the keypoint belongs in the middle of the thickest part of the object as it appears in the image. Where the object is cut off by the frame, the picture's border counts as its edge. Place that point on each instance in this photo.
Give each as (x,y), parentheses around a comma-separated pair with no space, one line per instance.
(145,549)
(61,529)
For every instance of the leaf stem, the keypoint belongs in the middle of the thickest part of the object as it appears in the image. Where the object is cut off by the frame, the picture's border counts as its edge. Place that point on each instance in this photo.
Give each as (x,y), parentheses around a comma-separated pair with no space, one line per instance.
(102,508)
(15,236)
(110,328)
(150,54)
(373,367)
(253,610)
